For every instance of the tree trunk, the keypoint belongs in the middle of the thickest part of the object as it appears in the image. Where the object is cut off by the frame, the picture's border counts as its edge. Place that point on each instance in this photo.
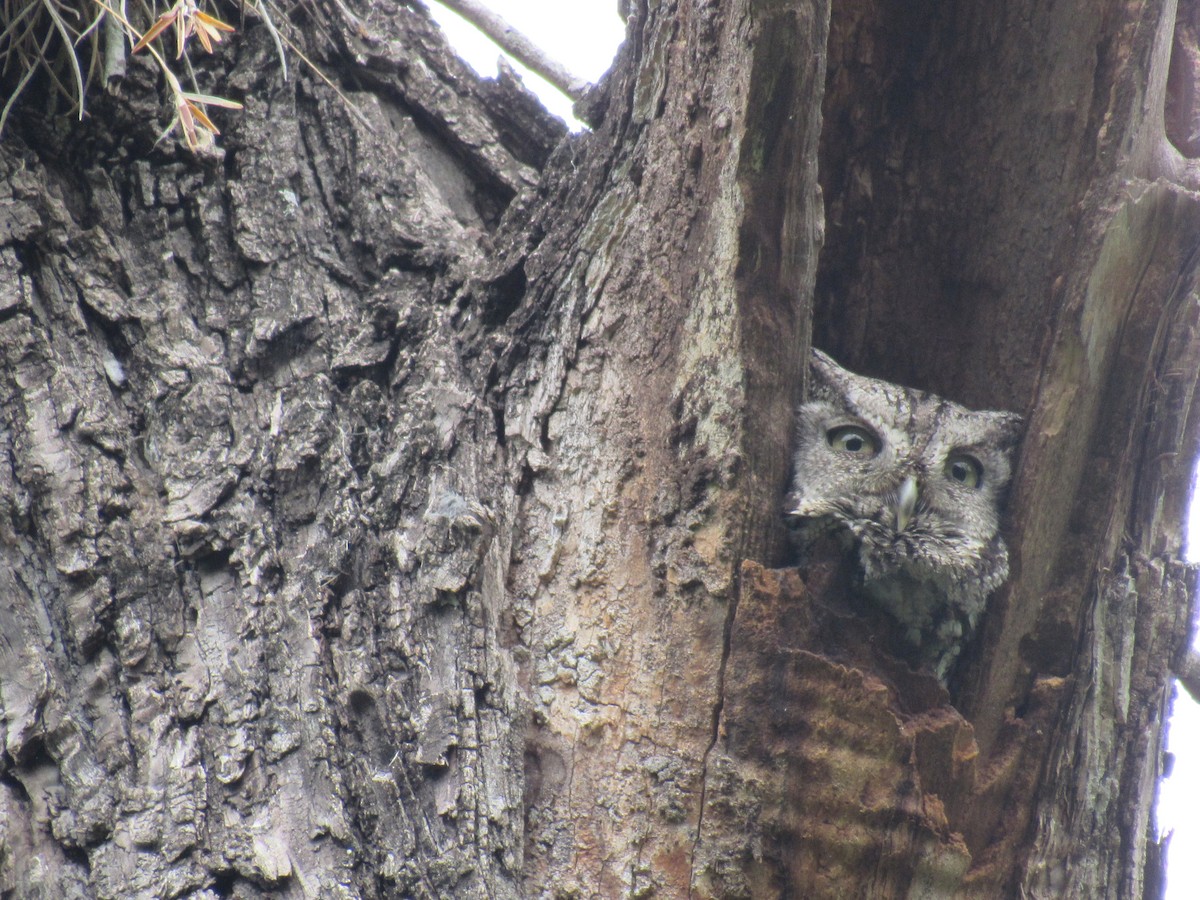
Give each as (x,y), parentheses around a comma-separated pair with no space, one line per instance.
(392,497)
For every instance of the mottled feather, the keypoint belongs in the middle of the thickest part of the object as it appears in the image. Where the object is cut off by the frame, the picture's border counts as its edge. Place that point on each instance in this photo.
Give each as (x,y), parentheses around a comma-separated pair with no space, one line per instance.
(914,484)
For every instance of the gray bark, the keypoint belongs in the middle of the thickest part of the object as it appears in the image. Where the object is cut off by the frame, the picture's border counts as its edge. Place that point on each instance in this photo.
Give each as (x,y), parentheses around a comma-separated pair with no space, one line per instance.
(251,568)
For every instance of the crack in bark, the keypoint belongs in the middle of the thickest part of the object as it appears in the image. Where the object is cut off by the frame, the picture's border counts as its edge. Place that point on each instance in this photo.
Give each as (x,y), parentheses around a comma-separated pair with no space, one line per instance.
(718,708)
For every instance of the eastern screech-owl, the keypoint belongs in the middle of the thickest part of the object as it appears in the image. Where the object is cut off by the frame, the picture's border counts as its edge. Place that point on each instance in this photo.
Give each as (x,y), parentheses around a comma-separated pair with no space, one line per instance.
(914,484)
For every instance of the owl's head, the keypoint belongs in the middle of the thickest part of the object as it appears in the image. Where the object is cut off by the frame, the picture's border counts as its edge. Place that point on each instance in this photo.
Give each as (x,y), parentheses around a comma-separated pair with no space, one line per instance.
(916,480)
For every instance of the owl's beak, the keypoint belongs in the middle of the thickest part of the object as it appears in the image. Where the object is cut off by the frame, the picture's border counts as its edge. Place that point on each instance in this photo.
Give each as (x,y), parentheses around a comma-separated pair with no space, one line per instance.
(906,502)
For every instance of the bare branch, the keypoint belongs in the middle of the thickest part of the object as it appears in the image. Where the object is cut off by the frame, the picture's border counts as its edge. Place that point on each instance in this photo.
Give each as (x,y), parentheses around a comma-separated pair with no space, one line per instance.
(520,47)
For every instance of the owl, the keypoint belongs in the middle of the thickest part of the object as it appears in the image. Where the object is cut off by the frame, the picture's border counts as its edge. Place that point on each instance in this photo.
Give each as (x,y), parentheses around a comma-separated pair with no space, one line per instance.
(913,485)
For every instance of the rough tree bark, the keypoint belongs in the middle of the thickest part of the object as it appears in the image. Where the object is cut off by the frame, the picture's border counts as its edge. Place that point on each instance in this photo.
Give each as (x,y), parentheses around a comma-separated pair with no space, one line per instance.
(391,500)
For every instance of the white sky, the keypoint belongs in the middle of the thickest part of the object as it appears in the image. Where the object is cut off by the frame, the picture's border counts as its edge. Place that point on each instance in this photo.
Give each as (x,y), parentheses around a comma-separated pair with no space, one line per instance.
(1179,796)
(580,34)
(583,35)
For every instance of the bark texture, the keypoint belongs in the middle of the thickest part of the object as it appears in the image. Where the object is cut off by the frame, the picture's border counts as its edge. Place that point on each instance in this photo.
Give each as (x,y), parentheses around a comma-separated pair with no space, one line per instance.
(251,576)
(390,499)
(656,450)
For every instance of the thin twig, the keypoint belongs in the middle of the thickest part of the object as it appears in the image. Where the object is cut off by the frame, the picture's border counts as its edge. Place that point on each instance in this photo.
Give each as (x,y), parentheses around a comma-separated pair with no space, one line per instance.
(69,44)
(520,47)
(261,8)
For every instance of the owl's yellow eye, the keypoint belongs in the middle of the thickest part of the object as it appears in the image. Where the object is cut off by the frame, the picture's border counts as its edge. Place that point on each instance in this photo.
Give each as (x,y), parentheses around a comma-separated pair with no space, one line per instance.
(853,440)
(964,469)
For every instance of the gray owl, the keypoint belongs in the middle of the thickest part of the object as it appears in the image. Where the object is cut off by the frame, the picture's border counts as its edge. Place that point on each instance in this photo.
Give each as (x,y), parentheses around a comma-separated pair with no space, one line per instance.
(913,484)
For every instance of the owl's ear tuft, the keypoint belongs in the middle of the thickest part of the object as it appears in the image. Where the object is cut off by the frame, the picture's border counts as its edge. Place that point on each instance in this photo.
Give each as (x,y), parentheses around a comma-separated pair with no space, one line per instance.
(1006,429)
(827,380)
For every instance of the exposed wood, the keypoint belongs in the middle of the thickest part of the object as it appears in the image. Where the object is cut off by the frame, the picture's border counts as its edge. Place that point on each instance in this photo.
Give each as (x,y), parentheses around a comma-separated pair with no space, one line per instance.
(1006,242)
(655,443)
